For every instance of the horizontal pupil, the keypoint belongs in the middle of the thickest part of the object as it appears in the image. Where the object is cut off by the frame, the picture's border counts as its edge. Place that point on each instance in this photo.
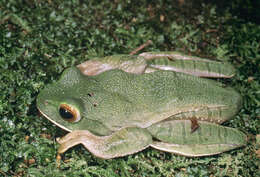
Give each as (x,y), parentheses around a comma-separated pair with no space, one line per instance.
(64,113)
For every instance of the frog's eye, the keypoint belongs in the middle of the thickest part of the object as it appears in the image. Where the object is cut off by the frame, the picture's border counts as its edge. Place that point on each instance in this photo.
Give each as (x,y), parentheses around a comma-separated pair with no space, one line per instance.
(69,113)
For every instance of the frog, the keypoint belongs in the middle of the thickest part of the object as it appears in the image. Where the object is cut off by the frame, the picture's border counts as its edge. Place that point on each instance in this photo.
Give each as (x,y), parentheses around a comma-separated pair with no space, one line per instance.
(122,104)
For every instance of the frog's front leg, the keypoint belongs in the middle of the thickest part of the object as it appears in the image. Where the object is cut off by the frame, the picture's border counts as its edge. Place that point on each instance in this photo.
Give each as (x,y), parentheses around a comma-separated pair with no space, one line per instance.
(175,136)
(123,142)
(179,62)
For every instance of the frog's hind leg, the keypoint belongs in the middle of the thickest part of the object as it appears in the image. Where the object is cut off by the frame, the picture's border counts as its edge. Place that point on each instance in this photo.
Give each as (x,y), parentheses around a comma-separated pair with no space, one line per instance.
(175,136)
(215,113)
(179,62)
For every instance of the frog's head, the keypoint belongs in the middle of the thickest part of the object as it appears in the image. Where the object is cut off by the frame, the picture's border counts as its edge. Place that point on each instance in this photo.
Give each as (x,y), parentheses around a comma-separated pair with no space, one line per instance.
(60,102)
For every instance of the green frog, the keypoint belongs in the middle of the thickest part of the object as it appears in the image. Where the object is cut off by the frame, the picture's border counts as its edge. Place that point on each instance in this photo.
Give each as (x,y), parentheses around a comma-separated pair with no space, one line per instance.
(121,104)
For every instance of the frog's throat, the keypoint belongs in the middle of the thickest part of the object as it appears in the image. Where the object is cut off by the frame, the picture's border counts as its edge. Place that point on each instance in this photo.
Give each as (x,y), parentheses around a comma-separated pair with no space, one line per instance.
(59,125)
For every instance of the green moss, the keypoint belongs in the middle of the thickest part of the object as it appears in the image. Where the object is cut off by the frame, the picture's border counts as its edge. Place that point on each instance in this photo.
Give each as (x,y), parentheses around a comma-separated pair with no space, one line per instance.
(38,39)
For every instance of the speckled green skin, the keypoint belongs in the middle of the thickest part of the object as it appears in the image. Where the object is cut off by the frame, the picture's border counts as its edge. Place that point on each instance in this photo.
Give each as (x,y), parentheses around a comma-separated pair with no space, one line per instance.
(114,100)
(121,99)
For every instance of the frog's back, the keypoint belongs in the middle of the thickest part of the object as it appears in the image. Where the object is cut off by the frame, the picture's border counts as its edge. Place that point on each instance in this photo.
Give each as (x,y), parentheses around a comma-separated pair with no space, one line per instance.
(155,96)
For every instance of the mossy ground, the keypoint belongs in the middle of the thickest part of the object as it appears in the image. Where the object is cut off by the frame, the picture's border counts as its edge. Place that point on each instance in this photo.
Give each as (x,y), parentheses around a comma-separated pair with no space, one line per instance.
(38,39)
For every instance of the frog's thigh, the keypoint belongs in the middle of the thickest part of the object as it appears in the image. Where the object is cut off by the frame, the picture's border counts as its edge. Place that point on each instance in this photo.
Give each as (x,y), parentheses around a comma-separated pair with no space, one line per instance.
(123,142)
(175,136)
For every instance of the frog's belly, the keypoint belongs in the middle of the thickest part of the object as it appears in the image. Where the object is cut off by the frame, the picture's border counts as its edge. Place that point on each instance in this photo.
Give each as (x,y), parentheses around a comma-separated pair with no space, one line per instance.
(160,95)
